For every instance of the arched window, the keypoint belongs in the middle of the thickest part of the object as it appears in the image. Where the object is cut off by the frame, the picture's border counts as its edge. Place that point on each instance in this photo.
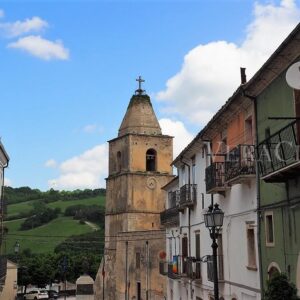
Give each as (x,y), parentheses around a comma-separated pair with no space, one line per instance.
(119,161)
(151,160)
(273,269)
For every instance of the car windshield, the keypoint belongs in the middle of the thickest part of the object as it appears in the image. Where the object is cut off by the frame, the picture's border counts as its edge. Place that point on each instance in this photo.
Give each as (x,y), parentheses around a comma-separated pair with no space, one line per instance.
(43,292)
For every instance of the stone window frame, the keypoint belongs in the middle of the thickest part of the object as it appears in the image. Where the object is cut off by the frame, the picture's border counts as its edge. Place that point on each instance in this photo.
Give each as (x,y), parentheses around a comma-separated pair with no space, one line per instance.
(250,225)
(267,238)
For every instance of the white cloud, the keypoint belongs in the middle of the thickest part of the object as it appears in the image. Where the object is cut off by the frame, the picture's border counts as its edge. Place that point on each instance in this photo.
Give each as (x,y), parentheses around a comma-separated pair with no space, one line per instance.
(210,72)
(92,128)
(41,48)
(7,182)
(177,129)
(1,13)
(35,24)
(51,163)
(86,170)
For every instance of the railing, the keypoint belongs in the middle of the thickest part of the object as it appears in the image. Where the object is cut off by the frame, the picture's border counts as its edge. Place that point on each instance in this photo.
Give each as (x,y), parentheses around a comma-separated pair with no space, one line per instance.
(188,195)
(193,268)
(210,268)
(214,176)
(173,198)
(170,216)
(240,161)
(163,268)
(172,273)
(278,151)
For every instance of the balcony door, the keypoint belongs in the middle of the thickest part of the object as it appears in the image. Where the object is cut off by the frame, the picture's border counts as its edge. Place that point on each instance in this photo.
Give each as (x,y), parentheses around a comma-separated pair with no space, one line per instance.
(184,253)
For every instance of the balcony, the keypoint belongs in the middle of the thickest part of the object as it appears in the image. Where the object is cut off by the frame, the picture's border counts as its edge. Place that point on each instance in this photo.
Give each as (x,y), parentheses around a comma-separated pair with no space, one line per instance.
(173,271)
(215,178)
(278,155)
(210,268)
(170,217)
(240,164)
(188,196)
(163,268)
(193,269)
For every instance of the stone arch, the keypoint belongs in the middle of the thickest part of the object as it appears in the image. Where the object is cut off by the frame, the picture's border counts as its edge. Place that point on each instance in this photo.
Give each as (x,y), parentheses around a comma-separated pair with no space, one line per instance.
(151,160)
(273,269)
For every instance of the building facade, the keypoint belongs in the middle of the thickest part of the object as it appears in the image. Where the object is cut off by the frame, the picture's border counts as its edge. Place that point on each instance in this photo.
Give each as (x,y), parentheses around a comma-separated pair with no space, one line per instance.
(277,103)
(4,160)
(139,166)
(218,166)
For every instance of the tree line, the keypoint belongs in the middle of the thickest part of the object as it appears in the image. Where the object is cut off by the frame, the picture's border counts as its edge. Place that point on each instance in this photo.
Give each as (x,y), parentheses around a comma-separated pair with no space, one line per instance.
(23,194)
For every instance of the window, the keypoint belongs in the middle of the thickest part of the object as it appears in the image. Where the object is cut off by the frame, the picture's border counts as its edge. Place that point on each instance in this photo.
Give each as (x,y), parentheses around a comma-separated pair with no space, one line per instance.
(248,131)
(138,291)
(273,269)
(151,160)
(119,161)
(137,260)
(197,255)
(267,132)
(184,253)
(269,229)
(194,169)
(251,247)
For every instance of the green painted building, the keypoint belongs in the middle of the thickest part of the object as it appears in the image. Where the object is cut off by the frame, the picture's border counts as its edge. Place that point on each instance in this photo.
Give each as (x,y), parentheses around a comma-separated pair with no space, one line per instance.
(278,136)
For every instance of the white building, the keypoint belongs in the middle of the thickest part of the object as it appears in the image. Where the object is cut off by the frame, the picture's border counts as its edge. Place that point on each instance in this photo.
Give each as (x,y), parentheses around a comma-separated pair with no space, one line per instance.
(4,159)
(223,175)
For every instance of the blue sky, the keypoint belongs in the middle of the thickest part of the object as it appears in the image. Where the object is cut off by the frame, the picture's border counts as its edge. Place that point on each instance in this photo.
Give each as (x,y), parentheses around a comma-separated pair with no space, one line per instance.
(68,70)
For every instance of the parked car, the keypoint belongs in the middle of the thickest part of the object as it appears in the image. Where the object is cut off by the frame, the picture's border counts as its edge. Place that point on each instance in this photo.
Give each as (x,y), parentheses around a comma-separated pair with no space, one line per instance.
(36,295)
(52,294)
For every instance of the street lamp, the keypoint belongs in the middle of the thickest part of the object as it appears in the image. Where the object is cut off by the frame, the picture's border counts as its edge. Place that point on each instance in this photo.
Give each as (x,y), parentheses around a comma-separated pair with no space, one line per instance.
(213,219)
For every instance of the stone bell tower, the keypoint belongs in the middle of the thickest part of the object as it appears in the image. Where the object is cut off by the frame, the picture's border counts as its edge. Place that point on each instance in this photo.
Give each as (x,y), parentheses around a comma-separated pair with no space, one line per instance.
(139,165)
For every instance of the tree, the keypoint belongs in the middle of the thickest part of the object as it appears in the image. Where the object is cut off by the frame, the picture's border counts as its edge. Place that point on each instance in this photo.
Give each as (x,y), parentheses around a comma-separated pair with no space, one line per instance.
(279,288)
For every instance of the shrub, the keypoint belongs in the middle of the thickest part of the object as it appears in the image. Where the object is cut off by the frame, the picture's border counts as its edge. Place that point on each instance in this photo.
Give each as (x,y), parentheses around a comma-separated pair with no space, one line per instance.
(279,288)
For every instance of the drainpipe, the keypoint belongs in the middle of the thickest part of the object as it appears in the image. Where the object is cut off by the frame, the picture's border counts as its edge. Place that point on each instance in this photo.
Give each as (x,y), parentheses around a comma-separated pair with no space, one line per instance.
(259,246)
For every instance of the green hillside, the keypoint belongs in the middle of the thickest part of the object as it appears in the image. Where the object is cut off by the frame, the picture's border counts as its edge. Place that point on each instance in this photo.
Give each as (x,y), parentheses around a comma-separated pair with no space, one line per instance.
(15,209)
(44,238)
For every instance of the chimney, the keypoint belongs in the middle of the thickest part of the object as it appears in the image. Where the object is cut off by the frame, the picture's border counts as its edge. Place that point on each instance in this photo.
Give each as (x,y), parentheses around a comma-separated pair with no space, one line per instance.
(243,75)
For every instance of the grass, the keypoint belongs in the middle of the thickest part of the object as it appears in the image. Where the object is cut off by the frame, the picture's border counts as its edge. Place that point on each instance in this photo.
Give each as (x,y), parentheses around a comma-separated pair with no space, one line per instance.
(90,201)
(45,238)
(14,209)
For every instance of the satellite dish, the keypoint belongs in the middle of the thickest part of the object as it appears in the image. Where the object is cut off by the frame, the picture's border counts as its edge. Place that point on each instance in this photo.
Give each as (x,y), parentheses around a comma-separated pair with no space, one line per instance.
(293,76)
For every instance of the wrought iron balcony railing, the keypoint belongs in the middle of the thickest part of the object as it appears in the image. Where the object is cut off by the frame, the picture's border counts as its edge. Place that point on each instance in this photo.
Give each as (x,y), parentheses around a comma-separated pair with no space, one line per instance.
(278,155)
(173,271)
(163,268)
(188,196)
(193,268)
(215,177)
(170,217)
(173,198)
(240,163)
(210,268)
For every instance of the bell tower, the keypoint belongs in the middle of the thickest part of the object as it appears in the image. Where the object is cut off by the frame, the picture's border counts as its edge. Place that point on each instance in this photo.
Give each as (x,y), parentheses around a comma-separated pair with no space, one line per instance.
(139,165)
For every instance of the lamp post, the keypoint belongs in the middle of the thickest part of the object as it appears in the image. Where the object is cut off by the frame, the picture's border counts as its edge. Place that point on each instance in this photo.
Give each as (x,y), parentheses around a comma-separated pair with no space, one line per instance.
(17,250)
(213,219)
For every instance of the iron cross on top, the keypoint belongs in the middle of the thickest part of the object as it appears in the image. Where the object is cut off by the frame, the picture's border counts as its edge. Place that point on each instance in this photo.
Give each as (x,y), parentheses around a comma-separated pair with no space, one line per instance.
(140,80)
